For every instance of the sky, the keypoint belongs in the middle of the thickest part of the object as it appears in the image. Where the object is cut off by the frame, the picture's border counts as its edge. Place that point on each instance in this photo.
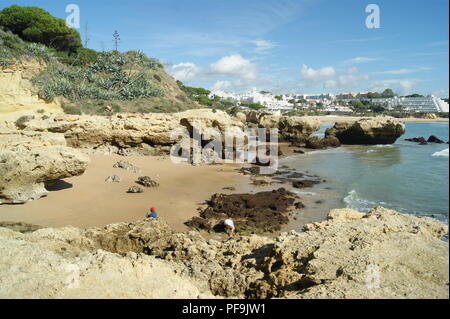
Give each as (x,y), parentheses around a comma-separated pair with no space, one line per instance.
(282,46)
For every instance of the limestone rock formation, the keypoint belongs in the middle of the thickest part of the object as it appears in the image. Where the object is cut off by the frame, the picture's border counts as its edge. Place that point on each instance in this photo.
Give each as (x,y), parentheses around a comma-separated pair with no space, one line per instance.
(113,179)
(291,128)
(377,130)
(127,166)
(147,181)
(124,131)
(382,254)
(321,143)
(29,160)
(135,190)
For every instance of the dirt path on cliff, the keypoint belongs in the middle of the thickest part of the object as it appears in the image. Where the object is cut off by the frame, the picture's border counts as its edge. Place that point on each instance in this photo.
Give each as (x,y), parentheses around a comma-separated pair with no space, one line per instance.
(89,201)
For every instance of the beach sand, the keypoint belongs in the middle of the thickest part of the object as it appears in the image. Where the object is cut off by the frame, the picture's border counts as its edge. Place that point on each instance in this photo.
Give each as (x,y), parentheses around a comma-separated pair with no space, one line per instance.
(89,201)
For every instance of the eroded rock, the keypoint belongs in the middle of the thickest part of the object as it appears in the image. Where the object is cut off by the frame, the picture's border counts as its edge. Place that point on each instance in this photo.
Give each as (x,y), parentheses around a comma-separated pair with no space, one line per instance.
(369,131)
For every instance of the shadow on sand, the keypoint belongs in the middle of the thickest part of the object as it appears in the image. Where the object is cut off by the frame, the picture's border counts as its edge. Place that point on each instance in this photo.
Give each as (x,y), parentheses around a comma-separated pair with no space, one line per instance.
(57,185)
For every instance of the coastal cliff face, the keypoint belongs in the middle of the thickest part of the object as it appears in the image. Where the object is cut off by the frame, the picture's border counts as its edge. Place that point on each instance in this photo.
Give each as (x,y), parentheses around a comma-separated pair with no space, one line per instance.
(123,131)
(17,94)
(371,131)
(382,254)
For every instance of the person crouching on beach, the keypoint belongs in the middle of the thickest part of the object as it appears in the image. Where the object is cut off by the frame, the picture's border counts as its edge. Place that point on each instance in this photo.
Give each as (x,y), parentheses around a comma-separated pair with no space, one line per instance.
(229,227)
(152,214)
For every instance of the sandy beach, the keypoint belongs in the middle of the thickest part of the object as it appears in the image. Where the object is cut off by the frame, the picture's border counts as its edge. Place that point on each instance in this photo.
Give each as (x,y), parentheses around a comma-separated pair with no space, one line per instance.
(88,201)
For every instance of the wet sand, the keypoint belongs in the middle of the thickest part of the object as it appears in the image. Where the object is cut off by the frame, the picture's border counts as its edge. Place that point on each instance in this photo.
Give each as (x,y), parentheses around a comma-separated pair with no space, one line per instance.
(89,201)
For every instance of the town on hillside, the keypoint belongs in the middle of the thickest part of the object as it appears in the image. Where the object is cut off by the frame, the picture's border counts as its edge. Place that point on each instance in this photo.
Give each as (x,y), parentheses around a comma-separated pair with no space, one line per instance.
(341,103)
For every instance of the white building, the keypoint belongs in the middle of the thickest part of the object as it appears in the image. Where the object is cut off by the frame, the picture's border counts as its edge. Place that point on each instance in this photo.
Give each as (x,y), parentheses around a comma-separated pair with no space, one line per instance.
(429,104)
(266,99)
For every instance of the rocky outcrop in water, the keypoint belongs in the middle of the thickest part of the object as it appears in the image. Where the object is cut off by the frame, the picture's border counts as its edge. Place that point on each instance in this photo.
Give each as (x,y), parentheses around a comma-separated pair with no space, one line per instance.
(382,254)
(30,160)
(422,141)
(434,139)
(322,143)
(368,131)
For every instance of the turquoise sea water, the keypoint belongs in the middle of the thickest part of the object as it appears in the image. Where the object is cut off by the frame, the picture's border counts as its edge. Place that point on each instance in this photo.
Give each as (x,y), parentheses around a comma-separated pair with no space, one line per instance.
(405,176)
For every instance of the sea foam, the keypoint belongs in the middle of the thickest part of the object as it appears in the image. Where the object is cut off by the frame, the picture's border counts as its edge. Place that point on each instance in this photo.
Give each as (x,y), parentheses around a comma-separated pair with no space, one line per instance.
(443,153)
(353,201)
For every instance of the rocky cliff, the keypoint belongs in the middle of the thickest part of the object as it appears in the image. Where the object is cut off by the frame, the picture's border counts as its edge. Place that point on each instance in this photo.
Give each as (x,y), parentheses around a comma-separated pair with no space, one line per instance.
(17,93)
(382,254)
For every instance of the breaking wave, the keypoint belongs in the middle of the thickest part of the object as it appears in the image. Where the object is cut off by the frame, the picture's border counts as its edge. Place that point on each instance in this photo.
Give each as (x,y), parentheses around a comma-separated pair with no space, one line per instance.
(443,153)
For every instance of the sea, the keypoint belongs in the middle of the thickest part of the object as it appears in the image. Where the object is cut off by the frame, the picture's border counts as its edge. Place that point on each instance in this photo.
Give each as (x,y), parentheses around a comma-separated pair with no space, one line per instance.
(405,176)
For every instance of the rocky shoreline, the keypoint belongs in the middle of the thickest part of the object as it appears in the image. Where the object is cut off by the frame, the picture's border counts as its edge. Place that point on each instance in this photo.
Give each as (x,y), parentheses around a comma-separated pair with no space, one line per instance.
(330,259)
(382,254)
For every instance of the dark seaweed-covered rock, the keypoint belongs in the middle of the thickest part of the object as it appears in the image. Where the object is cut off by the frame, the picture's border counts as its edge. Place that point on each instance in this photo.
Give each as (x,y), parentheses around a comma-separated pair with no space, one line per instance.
(434,139)
(321,143)
(421,140)
(252,213)
(305,183)
(199,223)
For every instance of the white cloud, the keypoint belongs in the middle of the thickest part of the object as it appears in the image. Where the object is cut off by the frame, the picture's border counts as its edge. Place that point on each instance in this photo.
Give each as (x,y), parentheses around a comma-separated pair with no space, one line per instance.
(263,46)
(221,85)
(360,59)
(330,78)
(404,71)
(234,65)
(403,86)
(330,84)
(352,76)
(312,75)
(397,71)
(185,72)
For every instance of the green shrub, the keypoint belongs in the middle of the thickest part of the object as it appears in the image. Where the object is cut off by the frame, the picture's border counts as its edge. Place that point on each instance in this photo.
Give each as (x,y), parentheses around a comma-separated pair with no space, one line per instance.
(21,121)
(157,77)
(107,78)
(37,25)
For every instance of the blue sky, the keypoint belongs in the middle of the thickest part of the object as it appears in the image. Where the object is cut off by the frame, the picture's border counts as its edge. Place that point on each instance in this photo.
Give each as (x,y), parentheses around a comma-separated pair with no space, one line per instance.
(285,46)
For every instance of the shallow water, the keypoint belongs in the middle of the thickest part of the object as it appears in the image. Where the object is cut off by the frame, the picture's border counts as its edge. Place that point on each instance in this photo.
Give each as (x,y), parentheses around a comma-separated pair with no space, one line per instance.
(405,176)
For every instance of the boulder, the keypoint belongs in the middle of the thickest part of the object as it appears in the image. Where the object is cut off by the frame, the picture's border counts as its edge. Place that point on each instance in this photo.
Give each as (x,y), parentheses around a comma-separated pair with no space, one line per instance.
(135,190)
(321,143)
(146,181)
(421,140)
(434,139)
(368,131)
(30,160)
(113,179)
(290,128)
(127,166)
